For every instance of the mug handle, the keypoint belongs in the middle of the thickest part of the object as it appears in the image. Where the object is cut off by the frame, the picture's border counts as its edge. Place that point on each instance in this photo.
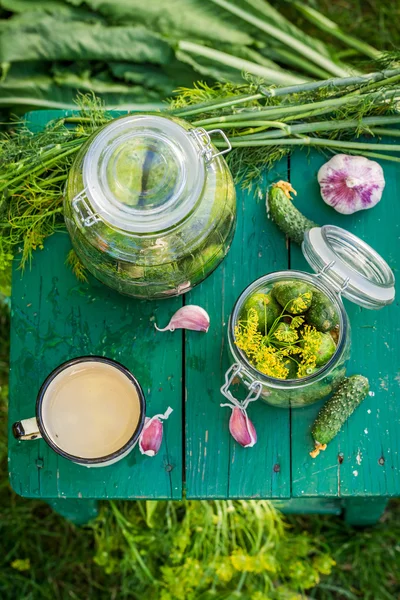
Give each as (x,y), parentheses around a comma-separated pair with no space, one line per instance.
(27,429)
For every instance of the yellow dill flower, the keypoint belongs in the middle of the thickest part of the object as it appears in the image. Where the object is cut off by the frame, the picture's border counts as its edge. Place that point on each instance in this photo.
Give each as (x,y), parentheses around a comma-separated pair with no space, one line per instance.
(286,335)
(301,303)
(247,336)
(296,322)
(311,341)
(306,367)
(269,361)
(290,351)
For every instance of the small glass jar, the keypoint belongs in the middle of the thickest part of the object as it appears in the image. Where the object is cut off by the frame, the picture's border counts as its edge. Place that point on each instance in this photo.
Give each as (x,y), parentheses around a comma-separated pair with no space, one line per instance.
(150,205)
(343,265)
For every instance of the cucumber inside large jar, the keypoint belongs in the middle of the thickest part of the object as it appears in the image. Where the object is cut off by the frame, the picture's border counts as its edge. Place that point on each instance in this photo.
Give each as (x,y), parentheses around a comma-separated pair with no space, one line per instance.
(156,216)
(288,329)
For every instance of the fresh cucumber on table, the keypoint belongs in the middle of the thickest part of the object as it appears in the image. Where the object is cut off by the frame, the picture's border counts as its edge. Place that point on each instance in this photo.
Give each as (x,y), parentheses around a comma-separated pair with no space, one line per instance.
(337,410)
(283,212)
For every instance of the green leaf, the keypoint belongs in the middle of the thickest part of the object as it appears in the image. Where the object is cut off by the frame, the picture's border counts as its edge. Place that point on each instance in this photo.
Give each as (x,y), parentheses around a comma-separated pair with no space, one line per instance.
(52,39)
(165,80)
(188,19)
(26,11)
(210,60)
(284,35)
(293,59)
(26,87)
(272,15)
(210,68)
(84,82)
(20,6)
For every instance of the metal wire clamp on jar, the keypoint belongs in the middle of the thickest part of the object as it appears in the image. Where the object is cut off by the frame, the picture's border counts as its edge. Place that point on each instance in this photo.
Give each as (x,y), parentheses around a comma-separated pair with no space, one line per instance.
(343,265)
(150,205)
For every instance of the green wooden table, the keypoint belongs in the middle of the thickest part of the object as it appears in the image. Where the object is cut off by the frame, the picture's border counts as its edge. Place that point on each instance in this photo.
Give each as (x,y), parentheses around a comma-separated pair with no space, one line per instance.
(54,318)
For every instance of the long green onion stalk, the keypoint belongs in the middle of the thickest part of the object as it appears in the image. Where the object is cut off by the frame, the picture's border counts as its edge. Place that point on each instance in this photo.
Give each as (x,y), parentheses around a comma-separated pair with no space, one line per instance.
(263,124)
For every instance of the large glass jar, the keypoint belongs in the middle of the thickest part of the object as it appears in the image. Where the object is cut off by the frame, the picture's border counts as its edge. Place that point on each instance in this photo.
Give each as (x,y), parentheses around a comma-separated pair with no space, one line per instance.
(343,265)
(150,205)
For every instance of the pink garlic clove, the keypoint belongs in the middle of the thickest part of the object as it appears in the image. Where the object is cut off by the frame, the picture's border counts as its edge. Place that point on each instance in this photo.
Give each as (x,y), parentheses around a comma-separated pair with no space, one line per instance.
(241,428)
(152,433)
(351,183)
(188,317)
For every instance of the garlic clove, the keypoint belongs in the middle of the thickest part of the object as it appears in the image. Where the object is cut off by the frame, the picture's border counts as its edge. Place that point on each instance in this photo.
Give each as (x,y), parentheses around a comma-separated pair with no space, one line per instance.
(351,183)
(188,317)
(152,433)
(241,428)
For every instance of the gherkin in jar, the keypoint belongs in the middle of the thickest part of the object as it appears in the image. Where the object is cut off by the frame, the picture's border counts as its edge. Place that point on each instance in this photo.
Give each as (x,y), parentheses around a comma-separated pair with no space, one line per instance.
(150,206)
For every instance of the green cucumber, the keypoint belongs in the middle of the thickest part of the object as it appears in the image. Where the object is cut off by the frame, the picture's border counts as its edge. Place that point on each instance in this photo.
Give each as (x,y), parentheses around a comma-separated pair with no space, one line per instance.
(267,309)
(292,366)
(337,410)
(293,295)
(326,350)
(322,314)
(285,214)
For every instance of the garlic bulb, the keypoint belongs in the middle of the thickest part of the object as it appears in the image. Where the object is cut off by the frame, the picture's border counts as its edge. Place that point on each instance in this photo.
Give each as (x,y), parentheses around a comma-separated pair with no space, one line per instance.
(351,183)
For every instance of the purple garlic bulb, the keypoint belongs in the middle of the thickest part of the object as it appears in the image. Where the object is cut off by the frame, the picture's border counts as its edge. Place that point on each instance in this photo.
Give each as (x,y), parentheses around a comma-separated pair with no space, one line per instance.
(351,183)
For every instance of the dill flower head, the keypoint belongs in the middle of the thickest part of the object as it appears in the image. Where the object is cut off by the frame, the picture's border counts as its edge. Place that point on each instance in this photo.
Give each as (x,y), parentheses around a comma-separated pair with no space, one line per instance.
(269,361)
(301,303)
(247,336)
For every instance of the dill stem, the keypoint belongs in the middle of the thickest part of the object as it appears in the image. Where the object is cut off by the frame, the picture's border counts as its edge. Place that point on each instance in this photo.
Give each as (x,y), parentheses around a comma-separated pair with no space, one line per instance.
(395,159)
(385,131)
(38,217)
(310,141)
(52,180)
(252,123)
(215,104)
(333,82)
(376,79)
(41,167)
(315,126)
(78,119)
(313,108)
(55,148)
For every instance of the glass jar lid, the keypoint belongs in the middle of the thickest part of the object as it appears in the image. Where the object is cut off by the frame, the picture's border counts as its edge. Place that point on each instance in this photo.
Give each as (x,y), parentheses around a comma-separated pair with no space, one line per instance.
(349,266)
(143,173)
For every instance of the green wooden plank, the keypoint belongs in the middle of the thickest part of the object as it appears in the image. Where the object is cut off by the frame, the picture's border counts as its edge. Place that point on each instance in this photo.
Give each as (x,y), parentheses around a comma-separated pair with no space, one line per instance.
(55,318)
(216,466)
(364,459)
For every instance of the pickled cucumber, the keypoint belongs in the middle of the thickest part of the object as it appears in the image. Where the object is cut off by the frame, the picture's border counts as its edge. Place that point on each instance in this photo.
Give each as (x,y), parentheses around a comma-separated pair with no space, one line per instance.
(337,410)
(268,310)
(322,313)
(326,348)
(291,365)
(293,295)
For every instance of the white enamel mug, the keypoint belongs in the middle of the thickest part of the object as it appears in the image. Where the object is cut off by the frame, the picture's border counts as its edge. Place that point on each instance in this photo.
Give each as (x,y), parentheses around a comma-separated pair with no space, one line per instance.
(90,410)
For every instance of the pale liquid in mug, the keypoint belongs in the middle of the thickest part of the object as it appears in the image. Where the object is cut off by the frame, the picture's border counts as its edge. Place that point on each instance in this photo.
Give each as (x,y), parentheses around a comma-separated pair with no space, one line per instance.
(90,410)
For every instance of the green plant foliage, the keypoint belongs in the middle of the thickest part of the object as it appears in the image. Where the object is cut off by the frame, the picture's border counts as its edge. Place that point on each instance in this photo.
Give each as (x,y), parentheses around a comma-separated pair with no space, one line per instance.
(185,39)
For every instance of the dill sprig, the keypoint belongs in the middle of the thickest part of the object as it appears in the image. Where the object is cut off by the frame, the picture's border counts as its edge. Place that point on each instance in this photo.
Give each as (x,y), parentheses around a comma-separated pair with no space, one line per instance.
(77,267)
(281,345)
(33,170)
(263,124)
